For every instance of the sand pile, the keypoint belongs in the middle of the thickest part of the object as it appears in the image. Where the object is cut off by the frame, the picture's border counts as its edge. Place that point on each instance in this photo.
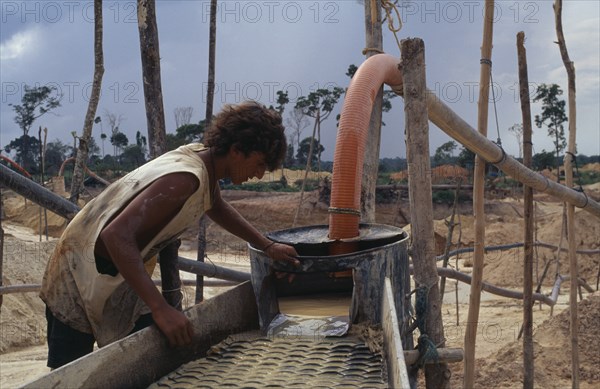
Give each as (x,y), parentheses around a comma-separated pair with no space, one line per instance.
(552,352)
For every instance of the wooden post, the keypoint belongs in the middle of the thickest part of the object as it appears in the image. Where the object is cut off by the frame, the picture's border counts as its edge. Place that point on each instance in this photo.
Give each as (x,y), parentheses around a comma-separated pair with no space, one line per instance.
(155,114)
(1,248)
(573,271)
(528,365)
(374,45)
(479,198)
(157,135)
(83,149)
(421,211)
(210,96)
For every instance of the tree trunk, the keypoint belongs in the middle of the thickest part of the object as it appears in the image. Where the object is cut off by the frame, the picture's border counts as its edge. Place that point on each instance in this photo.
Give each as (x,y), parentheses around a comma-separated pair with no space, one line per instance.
(374,45)
(573,271)
(82,151)
(157,138)
(478,199)
(528,365)
(155,115)
(307,168)
(1,248)
(210,94)
(437,375)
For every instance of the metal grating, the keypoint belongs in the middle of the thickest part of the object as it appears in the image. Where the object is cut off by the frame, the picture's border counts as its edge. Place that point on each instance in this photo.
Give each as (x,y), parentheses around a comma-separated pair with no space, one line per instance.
(281,363)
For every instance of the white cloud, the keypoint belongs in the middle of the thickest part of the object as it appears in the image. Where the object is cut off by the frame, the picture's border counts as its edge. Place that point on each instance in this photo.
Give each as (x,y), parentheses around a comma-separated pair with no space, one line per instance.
(19,45)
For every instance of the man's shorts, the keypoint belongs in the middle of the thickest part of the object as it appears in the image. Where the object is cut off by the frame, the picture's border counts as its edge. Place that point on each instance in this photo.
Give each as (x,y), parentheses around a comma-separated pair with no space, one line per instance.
(66,344)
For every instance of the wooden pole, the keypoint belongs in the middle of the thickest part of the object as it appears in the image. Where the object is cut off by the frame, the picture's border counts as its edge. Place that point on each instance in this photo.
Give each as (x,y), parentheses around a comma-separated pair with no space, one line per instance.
(479,199)
(210,96)
(1,248)
(528,365)
(88,124)
(374,45)
(157,134)
(37,193)
(570,68)
(421,211)
(452,124)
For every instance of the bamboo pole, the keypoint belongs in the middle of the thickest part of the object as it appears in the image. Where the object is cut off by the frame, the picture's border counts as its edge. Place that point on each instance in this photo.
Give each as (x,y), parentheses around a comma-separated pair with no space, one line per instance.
(421,211)
(452,124)
(528,365)
(570,68)
(37,193)
(27,288)
(374,45)
(478,199)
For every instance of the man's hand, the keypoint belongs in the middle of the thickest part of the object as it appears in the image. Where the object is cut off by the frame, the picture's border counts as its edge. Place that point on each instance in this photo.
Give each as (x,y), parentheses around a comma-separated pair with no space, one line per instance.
(174,325)
(283,252)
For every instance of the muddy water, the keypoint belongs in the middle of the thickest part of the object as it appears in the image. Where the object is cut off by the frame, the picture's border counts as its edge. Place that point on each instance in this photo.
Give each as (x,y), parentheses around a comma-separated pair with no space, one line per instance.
(321,305)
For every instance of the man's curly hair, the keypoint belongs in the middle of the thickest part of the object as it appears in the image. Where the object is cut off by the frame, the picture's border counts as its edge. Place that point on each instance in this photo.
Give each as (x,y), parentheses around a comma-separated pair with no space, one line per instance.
(249,126)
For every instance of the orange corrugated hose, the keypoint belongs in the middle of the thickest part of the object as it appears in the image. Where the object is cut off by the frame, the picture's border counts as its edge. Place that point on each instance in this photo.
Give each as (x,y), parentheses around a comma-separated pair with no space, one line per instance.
(351,140)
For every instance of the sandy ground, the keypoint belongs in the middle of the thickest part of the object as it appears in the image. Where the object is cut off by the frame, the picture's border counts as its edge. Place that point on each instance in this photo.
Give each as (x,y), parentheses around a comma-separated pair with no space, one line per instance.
(22,324)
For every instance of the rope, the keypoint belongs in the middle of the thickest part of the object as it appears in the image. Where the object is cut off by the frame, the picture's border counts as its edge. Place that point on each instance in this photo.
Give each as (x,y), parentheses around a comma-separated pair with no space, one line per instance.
(427,349)
(485,61)
(390,8)
(344,211)
(574,159)
(372,49)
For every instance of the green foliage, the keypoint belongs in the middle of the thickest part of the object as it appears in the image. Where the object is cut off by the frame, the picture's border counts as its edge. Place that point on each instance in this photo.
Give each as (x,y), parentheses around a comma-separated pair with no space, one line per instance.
(282,100)
(310,184)
(119,140)
(443,154)
(587,177)
(275,186)
(466,159)
(289,156)
(190,133)
(447,197)
(36,101)
(392,164)
(56,153)
(320,103)
(26,152)
(543,160)
(132,157)
(303,149)
(553,115)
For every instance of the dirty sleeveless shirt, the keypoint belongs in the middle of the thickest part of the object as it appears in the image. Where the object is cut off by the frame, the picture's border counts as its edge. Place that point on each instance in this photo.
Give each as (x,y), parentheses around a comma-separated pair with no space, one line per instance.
(90,301)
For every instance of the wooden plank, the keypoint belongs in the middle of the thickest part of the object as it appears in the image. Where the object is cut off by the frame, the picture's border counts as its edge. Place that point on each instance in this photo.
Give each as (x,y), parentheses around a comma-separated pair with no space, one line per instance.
(392,345)
(447,355)
(140,359)
(419,193)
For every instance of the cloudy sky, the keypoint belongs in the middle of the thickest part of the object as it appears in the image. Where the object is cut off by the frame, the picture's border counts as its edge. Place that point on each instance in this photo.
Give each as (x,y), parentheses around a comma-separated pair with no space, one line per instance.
(299,46)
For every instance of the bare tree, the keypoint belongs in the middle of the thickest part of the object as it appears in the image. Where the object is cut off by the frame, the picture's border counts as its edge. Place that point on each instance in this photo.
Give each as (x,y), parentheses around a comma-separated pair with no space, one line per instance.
(82,152)
(183,116)
(517,130)
(297,122)
(114,121)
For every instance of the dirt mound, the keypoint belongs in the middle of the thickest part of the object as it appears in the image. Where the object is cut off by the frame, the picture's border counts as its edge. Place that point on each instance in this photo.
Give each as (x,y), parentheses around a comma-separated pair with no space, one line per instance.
(22,318)
(591,167)
(290,175)
(552,352)
(504,225)
(439,174)
(28,214)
